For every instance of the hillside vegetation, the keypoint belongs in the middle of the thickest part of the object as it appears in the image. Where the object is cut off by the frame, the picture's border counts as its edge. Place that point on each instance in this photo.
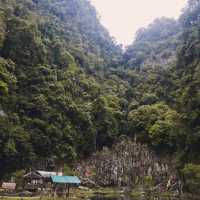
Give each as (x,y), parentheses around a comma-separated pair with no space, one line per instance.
(67,90)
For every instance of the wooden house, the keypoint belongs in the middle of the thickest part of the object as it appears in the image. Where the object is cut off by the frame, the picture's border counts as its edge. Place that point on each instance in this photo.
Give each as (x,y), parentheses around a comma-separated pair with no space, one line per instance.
(39,180)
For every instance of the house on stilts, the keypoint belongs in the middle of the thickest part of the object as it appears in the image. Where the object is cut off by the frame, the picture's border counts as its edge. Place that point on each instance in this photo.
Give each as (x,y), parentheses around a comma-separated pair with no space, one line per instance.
(62,184)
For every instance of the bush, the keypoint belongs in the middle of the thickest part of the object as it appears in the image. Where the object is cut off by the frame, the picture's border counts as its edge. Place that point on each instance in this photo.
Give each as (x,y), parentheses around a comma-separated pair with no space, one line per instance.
(191,173)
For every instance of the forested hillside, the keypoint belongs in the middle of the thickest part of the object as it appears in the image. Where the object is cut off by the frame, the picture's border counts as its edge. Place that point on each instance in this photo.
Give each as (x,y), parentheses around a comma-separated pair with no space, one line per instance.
(67,90)
(154,45)
(50,107)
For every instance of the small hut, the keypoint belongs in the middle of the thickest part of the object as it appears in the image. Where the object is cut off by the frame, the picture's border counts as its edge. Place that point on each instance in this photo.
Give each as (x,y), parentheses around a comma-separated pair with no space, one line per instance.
(8,187)
(62,184)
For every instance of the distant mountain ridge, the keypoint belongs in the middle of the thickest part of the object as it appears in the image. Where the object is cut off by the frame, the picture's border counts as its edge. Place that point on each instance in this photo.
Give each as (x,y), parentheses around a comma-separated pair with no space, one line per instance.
(154,45)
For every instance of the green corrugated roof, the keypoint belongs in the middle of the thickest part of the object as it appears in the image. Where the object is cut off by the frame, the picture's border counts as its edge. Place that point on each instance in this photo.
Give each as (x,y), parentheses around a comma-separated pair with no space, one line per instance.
(66,179)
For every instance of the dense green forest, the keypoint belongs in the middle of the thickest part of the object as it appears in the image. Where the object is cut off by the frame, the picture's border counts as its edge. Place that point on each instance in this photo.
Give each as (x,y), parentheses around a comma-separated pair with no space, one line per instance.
(67,89)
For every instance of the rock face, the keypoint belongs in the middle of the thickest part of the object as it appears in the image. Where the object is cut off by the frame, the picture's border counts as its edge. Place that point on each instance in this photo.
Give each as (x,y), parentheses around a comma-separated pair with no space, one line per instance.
(130,164)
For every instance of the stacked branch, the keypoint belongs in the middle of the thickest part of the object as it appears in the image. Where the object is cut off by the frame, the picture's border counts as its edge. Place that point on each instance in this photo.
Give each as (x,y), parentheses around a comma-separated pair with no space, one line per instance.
(131,164)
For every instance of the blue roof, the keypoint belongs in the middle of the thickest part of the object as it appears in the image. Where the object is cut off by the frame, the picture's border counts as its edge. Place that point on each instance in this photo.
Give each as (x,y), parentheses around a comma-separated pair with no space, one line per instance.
(66,179)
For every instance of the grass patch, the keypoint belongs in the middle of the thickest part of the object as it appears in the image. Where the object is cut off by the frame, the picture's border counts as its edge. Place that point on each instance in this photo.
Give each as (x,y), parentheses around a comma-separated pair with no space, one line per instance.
(136,194)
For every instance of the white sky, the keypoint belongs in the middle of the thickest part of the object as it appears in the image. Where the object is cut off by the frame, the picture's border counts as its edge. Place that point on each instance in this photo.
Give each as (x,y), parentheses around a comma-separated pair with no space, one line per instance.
(124,17)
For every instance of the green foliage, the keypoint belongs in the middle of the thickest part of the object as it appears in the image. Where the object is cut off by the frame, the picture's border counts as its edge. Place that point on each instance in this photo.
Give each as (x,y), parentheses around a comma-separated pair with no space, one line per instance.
(66,89)
(7,77)
(148,181)
(18,177)
(68,171)
(106,115)
(2,29)
(155,45)
(15,147)
(191,173)
(3,88)
(149,99)
(41,80)
(159,125)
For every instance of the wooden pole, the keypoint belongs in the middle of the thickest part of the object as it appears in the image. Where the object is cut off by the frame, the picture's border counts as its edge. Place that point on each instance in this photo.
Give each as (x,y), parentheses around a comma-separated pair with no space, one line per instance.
(68,190)
(65,191)
(55,191)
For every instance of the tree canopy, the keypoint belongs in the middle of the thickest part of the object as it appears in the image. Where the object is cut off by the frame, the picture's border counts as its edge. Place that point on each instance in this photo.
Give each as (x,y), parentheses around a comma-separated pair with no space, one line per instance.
(67,89)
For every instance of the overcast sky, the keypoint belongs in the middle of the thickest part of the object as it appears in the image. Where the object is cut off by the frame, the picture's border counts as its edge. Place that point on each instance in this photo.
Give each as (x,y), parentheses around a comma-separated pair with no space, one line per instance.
(124,17)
